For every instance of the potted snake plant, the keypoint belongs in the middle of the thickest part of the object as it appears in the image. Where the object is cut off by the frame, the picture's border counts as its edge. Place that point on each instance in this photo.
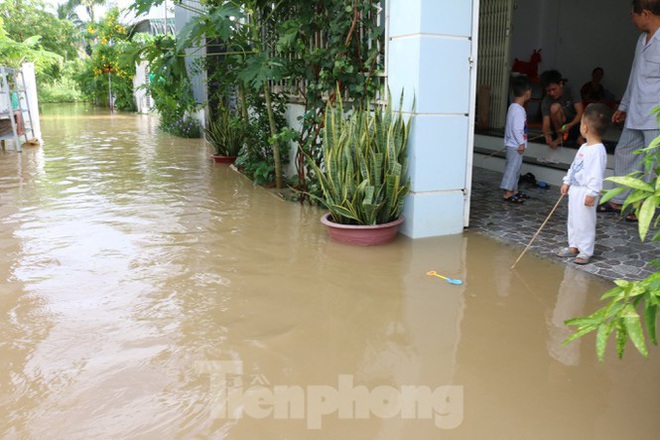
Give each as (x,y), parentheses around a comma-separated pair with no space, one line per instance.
(227,134)
(364,173)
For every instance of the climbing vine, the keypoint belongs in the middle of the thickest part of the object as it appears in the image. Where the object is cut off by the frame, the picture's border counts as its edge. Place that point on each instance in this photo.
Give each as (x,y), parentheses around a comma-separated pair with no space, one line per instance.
(310,51)
(334,47)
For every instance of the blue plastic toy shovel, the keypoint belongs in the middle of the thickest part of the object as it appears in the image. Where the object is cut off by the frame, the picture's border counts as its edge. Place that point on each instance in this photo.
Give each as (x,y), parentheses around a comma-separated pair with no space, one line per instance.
(449,280)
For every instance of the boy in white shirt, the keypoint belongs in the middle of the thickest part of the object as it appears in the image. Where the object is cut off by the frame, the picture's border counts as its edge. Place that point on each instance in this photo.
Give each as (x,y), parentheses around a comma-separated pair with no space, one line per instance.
(583,184)
(515,138)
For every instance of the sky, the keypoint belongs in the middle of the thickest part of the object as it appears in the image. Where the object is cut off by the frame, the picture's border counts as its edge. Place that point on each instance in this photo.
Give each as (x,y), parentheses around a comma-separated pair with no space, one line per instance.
(123,6)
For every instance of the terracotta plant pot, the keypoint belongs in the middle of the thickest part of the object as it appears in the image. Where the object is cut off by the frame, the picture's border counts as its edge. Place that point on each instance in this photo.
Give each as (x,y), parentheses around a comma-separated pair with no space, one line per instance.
(362,235)
(223,159)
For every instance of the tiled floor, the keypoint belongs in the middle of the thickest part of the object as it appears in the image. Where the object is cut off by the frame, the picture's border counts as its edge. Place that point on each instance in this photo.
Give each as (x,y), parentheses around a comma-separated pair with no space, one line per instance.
(619,251)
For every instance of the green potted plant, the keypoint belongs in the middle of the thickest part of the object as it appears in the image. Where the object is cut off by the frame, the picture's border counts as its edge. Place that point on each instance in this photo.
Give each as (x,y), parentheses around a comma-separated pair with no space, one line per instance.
(364,173)
(227,134)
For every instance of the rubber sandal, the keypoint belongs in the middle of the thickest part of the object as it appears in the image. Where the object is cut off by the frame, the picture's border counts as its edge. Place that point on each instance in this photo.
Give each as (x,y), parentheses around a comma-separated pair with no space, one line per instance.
(581,260)
(514,199)
(606,207)
(631,218)
(522,195)
(566,252)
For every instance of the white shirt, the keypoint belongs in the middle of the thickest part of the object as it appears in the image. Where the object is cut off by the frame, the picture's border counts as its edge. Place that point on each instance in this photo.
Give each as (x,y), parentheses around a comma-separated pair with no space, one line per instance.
(643,90)
(515,130)
(588,168)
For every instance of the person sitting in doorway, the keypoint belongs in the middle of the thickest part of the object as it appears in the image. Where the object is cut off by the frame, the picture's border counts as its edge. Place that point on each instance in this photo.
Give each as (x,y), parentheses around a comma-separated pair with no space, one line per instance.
(594,91)
(561,110)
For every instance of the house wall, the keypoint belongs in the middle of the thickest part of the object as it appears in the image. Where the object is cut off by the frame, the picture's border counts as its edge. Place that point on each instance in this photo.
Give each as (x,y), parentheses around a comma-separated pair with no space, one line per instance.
(575,36)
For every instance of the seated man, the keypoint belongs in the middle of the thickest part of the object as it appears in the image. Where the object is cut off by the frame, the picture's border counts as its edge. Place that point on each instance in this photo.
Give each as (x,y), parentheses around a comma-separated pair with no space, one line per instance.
(594,91)
(561,109)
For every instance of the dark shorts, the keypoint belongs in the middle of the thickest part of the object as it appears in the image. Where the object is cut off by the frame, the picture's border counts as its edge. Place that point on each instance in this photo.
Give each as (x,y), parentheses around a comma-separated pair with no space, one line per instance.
(574,132)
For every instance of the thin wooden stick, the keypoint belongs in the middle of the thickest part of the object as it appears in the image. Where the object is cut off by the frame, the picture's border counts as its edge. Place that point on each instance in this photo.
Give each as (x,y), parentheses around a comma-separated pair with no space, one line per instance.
(504,149)
(496,152)
(537,232)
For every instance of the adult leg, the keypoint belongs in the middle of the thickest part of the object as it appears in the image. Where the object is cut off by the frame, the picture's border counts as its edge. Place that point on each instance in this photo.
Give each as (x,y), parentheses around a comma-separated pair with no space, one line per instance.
(625,161)
(557,116)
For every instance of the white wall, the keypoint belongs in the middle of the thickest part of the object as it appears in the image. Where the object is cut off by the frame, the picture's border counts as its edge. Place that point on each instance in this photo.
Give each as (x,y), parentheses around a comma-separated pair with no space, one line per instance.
(576,36)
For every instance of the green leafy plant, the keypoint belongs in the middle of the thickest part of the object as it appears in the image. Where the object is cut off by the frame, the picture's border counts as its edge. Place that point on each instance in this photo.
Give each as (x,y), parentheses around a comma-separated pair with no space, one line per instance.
(169,85)
(227,134)
(622,316)
(364,172)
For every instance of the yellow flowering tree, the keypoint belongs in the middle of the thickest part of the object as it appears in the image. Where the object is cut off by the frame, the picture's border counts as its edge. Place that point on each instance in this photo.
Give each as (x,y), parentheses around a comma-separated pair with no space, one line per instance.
(109,73)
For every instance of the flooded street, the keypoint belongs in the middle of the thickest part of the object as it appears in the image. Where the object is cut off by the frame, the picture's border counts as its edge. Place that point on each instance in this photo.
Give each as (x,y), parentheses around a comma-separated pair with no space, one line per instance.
(147,293)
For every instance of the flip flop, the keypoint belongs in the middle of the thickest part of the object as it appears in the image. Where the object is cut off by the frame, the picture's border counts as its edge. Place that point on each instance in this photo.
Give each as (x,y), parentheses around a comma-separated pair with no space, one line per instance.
(606,207)
(581,260)
(631,218)
(566,252)
(522,195)
(514,199)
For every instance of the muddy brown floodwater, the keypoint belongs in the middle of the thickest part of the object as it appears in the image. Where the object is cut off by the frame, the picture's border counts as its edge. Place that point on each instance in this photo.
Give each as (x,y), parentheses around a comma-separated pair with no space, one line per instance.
(147,293)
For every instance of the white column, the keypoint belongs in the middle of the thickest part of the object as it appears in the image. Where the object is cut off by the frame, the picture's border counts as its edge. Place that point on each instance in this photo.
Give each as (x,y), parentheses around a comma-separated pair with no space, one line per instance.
(430,56)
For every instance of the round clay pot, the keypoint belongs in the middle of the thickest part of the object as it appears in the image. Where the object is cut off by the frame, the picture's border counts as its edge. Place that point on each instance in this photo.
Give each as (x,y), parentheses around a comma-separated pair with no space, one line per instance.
(362,235)
(223,159)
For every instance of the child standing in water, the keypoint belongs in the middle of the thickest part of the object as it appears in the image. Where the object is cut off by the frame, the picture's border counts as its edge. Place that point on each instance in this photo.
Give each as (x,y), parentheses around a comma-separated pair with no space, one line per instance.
(515,139)
(583,184)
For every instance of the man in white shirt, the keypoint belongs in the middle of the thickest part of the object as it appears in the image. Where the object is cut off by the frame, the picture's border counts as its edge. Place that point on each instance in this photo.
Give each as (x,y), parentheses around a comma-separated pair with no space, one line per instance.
(641,96)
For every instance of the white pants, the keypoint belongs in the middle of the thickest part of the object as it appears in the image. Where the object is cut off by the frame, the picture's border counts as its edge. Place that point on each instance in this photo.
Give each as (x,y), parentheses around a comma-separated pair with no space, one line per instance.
(581,221)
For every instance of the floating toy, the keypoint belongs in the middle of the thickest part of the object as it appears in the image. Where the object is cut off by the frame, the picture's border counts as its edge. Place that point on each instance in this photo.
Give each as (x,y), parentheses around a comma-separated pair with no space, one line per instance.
(449,280)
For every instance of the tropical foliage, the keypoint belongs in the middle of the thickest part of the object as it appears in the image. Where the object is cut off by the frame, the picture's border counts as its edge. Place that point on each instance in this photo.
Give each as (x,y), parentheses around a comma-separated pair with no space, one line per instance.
(313,52)
(109,72)
(632,305)
(13,53)
(31,33)
(169,83)
(226,133)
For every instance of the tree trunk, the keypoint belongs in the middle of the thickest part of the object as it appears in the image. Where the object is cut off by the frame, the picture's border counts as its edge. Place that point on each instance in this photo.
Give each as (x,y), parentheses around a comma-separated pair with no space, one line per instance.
(273,133)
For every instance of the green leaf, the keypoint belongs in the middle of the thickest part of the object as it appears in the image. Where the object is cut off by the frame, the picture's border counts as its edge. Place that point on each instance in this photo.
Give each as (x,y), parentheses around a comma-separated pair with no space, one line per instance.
(634,329)
(621,338)
(650,315)
(611,193)
(579,333)
(631,182)
(645,216)
(604,332)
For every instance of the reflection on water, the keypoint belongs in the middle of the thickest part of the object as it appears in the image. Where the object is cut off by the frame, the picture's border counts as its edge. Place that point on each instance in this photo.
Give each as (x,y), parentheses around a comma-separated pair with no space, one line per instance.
(128,260)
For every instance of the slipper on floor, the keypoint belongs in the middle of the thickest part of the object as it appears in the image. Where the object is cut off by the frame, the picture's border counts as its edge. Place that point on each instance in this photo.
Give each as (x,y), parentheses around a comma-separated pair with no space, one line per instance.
(514,199)
(522,195)
(606,207)
(632,218)
(581,260)
(566,252)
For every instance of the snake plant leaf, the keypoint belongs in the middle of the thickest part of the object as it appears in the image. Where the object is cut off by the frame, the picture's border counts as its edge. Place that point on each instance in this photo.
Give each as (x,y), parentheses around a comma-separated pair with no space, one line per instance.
(364,168)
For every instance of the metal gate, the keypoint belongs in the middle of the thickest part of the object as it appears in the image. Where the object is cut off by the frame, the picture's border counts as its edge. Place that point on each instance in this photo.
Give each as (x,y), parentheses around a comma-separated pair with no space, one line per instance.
(495,17)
